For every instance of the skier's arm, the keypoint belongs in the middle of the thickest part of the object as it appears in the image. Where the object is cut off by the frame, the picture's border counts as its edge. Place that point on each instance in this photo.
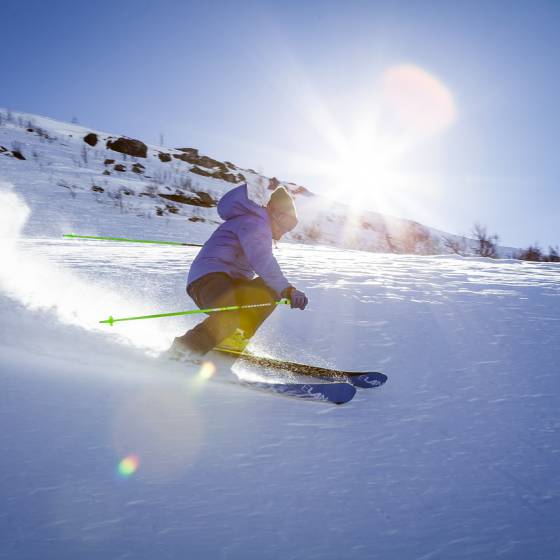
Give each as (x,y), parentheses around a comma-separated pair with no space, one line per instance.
(256,243)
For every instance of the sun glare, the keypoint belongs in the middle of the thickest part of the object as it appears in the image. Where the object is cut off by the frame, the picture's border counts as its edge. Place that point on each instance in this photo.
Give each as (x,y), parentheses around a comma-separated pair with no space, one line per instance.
(366,168)
(370,167)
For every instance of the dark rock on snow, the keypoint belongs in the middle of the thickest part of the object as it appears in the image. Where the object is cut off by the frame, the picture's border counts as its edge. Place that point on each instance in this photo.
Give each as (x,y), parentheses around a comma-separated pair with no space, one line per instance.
(128,146)
(91,139)
(202,199)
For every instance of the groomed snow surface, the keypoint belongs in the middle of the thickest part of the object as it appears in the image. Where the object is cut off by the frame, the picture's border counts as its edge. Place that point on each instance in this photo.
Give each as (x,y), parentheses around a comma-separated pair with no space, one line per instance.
(108,451)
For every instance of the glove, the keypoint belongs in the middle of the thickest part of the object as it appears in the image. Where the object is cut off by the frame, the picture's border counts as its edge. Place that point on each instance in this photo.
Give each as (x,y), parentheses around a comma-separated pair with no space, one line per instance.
(298,300)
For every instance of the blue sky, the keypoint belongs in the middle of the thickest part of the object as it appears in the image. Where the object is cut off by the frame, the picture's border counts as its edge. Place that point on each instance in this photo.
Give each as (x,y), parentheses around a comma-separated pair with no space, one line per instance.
(292,88)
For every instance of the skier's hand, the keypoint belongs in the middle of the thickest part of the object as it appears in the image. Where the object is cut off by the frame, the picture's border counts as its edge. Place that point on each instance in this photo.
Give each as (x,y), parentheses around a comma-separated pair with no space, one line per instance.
(298,300)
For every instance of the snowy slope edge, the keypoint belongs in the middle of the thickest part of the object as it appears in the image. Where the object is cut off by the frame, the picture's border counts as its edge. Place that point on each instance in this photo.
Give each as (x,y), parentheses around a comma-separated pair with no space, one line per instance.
(95,176)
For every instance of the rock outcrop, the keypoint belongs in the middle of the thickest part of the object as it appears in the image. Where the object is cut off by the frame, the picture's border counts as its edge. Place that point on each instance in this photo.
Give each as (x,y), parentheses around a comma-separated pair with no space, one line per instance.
(128,146)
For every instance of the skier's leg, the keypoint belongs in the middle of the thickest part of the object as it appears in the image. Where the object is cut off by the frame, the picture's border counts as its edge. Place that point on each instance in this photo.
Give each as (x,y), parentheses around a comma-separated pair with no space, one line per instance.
(212,290)
(251,292)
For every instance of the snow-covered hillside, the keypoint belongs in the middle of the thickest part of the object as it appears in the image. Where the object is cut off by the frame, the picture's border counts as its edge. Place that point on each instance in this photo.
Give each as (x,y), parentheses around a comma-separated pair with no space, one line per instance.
(79,180)
(108,451)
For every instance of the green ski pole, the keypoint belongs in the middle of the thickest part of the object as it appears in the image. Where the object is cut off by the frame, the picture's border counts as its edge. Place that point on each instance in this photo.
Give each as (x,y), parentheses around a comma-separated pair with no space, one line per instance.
(111,320)
(73,236)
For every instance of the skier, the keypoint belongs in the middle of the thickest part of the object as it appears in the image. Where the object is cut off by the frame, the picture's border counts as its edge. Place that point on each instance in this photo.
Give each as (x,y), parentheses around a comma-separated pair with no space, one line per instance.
(223,273)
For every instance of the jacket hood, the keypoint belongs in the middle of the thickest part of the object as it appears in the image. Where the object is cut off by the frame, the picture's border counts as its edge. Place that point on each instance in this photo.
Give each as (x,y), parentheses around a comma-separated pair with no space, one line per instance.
(236,203)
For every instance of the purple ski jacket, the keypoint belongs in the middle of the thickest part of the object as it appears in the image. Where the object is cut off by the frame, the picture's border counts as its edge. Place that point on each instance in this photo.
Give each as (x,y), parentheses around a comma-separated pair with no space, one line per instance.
(242,245)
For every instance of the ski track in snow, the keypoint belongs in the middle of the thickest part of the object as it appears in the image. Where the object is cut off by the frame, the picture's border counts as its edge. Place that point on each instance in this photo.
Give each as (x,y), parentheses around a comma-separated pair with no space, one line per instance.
(457,456)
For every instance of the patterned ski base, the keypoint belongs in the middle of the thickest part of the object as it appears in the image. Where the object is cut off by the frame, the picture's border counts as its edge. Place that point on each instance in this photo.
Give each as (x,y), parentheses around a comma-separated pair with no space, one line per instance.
(361,379)
(334,392)
(367,380)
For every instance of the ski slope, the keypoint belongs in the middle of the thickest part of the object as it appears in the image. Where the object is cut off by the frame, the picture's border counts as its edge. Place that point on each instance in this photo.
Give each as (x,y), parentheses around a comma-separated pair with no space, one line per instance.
(456,457)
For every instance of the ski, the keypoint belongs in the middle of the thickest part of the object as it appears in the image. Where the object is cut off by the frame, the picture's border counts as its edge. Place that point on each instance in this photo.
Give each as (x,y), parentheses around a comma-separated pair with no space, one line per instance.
(334,392)
(329,391)
(361,379)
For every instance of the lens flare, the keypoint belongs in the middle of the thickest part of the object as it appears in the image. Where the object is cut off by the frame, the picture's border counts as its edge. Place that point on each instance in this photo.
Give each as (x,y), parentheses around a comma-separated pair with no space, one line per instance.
(207,370)
(128,466)
(421,102)
(163,426)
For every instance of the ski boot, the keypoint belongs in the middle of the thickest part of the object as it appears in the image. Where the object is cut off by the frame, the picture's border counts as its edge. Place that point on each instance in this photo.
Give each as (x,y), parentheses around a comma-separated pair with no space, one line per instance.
(180,352)
(234,343)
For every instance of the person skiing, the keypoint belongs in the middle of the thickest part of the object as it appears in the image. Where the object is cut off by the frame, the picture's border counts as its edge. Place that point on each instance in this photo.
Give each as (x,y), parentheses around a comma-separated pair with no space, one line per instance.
(236,267)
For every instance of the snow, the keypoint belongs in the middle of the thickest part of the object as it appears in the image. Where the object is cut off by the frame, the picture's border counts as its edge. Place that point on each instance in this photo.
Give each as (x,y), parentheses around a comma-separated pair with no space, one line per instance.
(457,456)
(72,187)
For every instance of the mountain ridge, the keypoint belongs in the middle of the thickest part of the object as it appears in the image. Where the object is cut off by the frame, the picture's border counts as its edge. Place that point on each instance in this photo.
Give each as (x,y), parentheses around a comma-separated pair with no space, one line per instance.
(181,184)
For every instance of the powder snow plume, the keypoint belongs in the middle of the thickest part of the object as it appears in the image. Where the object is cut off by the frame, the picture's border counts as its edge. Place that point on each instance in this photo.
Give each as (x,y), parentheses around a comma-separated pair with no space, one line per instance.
(39,284)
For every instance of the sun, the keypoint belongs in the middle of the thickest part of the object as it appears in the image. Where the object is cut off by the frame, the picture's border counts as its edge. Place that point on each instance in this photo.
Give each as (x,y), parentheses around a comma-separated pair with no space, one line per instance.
(368,170)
